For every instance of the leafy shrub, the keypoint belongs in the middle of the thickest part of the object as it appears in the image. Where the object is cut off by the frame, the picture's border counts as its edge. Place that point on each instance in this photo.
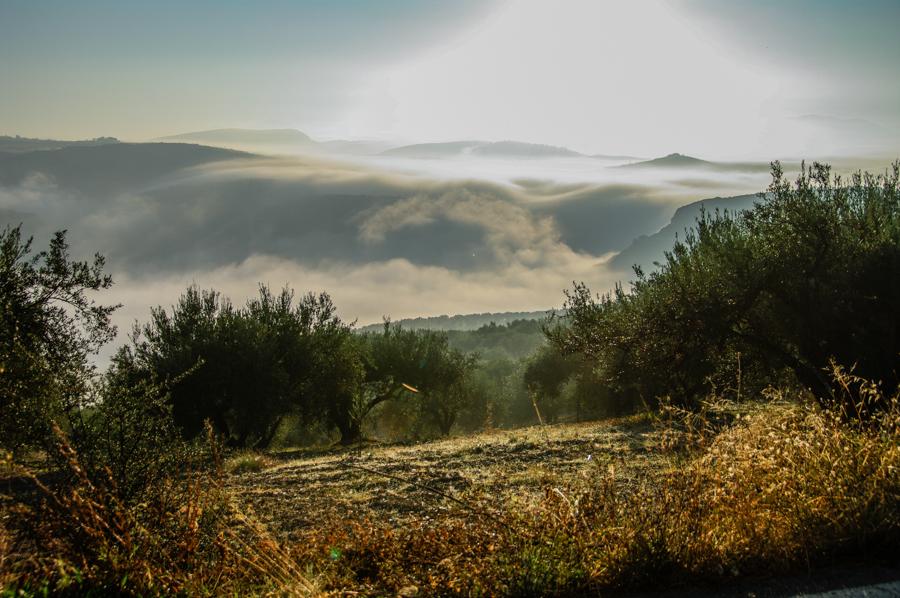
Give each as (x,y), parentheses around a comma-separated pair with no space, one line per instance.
(244,369)
(806,276)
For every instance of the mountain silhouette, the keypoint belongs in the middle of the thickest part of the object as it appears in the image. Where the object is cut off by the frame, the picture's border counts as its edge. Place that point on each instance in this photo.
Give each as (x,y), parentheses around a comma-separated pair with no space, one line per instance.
(17,144)
(671,161)
(647,249)
(285,139)
(108,168)
(681,161)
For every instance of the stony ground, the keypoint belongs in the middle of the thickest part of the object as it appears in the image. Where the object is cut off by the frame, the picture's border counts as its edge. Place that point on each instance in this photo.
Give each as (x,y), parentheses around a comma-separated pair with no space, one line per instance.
(396,483)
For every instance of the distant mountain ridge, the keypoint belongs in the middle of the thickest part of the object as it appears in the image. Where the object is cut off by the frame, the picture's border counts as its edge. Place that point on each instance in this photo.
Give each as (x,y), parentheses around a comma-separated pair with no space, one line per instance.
(462,321)
(16,144)
(293,140)
(288,137)
(109,167)
(647,249)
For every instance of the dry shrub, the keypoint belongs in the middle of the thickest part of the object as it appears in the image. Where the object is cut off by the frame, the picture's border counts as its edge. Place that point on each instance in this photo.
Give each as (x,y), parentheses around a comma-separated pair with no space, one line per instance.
(185,536)
(784,487)
(787,486)
(248,462)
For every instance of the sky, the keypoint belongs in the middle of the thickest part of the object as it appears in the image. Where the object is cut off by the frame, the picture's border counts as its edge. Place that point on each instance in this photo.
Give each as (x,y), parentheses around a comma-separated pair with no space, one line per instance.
(738,83)
(717,78)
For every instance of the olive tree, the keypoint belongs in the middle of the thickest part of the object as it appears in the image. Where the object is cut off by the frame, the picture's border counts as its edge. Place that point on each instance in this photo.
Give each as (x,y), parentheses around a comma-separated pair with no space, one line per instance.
(809,276)
(50,326)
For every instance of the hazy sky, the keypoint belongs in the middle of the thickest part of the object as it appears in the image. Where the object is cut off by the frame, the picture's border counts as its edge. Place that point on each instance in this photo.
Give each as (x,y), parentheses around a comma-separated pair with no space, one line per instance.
(724,79)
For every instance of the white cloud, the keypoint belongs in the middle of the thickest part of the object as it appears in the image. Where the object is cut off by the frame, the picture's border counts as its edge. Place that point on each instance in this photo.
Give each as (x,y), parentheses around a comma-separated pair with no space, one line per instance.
(600,76)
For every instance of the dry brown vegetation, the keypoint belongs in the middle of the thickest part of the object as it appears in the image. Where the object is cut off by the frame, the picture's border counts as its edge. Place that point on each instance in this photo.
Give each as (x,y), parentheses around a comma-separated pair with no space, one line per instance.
(640,502)
(186,536)
(735,490)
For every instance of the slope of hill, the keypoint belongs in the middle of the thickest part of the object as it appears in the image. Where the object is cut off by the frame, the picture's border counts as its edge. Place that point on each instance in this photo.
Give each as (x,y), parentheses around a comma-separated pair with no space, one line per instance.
(514,340)
(498,149)
(108,168)
(518,149)
(683,162)
(18,144)
(647,249)
(432,150)
(253,140)
(671,161)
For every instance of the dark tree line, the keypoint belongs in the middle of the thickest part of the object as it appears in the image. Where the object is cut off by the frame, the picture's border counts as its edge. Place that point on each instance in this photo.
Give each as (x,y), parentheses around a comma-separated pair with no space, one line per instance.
(246,369)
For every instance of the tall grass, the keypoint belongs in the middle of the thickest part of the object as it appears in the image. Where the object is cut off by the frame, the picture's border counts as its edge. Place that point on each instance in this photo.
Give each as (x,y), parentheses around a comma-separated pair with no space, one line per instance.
(184,536)
(774,489)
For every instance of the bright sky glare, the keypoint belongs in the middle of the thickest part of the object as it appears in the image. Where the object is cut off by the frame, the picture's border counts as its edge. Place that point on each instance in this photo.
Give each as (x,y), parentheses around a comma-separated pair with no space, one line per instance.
(723,80)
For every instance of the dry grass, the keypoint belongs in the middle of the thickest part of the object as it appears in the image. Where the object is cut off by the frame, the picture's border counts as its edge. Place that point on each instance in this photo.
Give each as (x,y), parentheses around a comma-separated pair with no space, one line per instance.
(762,491)
(248,462)
(186,536)
(507,468)
(561,510)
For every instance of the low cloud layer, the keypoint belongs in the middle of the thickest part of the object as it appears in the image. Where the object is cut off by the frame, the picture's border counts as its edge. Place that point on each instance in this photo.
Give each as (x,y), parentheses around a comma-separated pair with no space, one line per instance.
(382,243)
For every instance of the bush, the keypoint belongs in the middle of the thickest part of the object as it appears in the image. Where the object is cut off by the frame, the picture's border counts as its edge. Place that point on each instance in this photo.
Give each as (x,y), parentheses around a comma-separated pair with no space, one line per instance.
(243,369)
(248,462)
(805,277)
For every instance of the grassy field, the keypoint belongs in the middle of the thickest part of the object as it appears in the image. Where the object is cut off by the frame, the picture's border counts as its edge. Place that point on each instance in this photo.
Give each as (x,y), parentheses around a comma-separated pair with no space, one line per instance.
(497,471)
(773,498)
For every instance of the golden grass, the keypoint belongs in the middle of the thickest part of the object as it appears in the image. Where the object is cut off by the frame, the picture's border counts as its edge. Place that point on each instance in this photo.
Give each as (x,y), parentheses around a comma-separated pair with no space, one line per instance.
(565,510)
(186,536)
(780,488)
(248,462)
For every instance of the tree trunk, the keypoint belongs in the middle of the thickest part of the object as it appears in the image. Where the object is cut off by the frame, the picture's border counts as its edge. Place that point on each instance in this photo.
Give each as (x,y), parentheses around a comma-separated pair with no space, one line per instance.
(351,432)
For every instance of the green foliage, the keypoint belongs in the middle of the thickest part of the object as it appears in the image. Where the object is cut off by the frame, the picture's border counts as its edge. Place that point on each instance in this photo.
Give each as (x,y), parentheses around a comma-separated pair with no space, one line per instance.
(128,433)
(249,367)
(49,326)
(450,389)
(514,340)
(546,374)
(809,275)
(399,363)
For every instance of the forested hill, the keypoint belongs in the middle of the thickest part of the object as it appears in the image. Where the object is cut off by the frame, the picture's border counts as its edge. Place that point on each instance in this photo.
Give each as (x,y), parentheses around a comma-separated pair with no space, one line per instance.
(16,144)
(515,340)
(647,249)
(461,321)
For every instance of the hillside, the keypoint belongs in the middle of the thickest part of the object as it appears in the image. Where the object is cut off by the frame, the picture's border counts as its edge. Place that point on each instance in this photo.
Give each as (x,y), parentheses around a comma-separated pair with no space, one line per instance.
(671,161)
(570,509)
(647,249)
(682,162)
(108,167)
(515,340)
(19,144)
(245,137)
